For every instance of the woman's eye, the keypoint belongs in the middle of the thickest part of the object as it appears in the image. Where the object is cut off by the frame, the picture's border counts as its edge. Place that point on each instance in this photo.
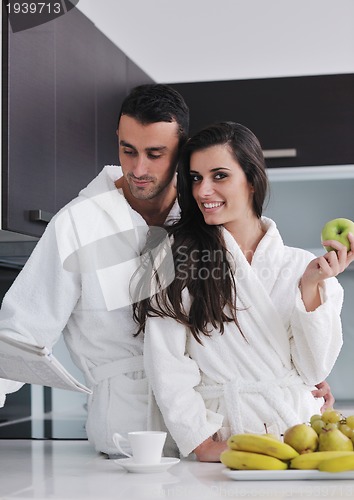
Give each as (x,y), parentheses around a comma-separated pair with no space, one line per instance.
(128,152)
(220,175)
(154,157)
(195,178)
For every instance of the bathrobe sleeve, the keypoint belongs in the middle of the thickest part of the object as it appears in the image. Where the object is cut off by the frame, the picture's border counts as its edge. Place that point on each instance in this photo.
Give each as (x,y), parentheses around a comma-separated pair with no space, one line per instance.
(37,306)
(316,337)
(173,376)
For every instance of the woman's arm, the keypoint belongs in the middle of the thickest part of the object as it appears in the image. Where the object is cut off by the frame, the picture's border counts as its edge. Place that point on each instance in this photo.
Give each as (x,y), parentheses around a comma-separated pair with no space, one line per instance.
(173,376)
(316,330)
(326,266)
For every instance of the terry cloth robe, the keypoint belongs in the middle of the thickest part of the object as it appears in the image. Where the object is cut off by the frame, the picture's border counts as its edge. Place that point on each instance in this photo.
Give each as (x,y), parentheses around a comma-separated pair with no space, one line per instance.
(231,385)
(76,282)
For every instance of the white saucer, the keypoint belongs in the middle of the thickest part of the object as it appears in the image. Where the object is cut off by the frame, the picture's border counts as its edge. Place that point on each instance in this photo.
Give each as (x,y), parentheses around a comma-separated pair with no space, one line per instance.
(129,465)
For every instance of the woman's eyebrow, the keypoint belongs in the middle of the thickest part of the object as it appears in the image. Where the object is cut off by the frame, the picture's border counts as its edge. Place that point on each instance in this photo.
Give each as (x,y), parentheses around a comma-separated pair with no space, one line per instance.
(211,170)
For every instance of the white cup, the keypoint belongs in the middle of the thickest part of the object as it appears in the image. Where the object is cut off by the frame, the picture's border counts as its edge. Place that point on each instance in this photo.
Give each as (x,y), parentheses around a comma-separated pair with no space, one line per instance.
(146,446)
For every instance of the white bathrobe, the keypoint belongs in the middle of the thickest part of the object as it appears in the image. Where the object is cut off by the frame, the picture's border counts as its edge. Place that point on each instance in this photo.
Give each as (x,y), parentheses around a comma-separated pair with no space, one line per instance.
(231,385)
(76,282)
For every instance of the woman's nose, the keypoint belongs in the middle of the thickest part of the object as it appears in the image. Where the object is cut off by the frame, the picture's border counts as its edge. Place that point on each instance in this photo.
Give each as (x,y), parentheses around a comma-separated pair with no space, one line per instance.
(205,188)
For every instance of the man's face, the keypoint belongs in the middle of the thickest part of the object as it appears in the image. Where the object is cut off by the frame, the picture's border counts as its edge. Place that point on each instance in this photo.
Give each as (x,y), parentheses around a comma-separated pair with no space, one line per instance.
(147,155)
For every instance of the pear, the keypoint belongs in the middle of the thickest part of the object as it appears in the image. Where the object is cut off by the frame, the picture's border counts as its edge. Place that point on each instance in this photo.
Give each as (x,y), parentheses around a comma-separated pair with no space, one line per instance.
(302,438)
(334,440)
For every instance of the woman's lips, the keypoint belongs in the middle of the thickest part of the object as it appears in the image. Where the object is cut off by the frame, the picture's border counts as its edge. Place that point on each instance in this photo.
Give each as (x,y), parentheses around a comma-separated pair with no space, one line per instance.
(212,206)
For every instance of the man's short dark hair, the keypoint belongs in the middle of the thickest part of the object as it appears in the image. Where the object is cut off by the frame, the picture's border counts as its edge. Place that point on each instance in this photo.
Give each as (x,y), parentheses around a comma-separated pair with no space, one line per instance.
(152,103)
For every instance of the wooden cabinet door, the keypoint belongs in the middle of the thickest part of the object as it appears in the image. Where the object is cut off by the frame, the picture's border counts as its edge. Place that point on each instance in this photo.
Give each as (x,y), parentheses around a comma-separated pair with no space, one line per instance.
(75,109)
(313,115)
(65,85)
(111,86)
(29,134)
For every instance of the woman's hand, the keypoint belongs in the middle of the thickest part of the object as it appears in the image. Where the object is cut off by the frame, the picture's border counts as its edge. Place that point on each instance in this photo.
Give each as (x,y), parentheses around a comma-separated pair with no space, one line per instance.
(210,450)
(326,266)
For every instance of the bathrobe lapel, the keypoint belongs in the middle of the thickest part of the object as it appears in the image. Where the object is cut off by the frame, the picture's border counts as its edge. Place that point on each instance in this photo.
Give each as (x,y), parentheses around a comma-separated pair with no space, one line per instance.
(253,286)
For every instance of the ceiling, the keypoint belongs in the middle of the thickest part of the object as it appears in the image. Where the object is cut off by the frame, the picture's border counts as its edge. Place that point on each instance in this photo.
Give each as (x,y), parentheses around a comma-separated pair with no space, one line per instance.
(206,40)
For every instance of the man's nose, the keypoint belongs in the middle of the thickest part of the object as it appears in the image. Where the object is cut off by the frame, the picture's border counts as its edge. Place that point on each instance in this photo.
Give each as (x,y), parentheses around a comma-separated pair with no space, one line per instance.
(140,166)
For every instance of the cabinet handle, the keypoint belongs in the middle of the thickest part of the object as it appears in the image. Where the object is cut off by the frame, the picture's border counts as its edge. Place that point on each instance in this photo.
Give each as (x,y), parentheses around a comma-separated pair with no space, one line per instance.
(40,216)
(280,153)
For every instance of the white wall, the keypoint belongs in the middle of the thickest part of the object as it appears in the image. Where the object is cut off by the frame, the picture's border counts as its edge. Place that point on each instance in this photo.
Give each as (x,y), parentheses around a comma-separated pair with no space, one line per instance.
(301,202)
(206,40)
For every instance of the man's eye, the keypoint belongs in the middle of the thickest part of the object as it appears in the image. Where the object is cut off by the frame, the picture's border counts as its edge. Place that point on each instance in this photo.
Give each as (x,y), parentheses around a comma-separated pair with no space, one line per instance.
(128,151)
(154,156)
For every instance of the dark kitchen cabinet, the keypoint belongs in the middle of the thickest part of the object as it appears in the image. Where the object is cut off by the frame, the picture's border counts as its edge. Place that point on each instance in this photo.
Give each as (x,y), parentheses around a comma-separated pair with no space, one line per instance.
(111,88)
(75,129)
(63,84)
(313,115)
(28,146)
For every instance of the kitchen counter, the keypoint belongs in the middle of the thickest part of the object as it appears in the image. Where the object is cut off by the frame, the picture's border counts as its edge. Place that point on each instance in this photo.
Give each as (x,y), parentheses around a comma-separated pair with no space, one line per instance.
(44,469)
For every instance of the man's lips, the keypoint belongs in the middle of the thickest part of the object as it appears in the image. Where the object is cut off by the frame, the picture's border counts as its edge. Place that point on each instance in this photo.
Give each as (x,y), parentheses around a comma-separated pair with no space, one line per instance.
(140,182)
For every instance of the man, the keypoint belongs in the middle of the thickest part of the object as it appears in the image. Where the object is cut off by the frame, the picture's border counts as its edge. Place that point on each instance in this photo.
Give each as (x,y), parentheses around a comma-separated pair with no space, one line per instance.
(77,280)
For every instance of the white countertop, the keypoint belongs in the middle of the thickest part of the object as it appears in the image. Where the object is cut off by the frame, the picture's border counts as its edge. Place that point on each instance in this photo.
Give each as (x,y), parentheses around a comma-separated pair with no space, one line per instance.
(39,469)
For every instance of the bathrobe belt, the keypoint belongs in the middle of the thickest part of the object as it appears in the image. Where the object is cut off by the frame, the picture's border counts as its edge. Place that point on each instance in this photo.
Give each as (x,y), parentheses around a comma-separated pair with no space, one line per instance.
(118,367)
(232,390)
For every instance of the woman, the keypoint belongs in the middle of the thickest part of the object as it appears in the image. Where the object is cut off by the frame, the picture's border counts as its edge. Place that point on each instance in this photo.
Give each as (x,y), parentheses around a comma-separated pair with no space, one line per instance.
(248,326)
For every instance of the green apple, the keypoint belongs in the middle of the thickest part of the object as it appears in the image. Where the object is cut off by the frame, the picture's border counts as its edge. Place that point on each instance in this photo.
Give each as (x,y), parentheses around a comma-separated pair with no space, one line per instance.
(337,229)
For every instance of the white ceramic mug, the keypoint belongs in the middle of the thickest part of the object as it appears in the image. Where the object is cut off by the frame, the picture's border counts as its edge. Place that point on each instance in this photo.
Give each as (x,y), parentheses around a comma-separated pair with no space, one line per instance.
(146,446)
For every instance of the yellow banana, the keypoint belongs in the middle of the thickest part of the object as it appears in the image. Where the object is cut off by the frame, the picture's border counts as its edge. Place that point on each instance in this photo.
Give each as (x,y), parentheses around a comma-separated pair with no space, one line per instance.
(261,443)
(312,460)
(339,464)
(245,460)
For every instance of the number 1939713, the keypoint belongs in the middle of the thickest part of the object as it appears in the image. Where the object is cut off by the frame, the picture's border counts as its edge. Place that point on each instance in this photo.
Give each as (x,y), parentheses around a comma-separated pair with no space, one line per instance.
(34,8)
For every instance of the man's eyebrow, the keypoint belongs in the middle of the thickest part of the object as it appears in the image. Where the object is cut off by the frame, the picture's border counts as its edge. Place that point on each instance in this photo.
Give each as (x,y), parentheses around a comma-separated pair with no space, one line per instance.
(152,148)
(126,144)
(156,148)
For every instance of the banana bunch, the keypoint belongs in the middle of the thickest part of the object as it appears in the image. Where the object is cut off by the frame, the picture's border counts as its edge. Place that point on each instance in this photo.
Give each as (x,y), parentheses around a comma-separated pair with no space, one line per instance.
(257,452)
(329,461)
(265,452)
(246,460)
(340,464)
(262,443)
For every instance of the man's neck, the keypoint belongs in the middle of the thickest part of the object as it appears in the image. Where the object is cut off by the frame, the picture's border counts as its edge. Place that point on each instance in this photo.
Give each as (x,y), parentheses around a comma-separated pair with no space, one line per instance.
(154,211)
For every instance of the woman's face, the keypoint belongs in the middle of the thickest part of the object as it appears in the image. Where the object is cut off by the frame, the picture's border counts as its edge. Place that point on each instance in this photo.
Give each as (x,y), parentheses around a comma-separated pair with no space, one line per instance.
(220,186)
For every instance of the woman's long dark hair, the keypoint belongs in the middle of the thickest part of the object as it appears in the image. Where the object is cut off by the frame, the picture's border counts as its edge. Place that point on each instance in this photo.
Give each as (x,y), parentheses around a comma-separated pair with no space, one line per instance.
(202,263)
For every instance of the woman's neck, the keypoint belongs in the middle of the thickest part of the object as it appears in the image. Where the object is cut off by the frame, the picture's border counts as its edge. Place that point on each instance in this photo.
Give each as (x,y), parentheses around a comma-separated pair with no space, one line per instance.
(248,234)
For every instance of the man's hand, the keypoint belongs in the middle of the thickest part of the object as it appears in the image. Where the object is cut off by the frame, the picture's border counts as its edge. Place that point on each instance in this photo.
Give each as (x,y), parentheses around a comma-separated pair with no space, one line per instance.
(324,391)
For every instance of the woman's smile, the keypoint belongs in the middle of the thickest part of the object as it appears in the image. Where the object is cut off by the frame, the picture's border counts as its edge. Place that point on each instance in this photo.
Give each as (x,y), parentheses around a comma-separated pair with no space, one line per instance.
(220,187)
(211,206)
